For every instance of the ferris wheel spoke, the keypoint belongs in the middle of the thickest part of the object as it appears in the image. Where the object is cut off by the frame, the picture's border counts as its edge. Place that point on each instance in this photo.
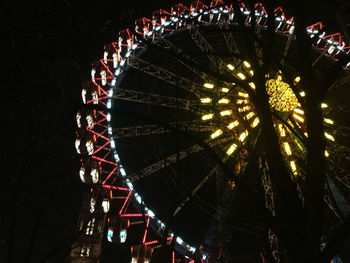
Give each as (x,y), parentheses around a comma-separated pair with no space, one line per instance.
(155,99)
(180,155)
(230,41)
(195,190)
(179,52)
(207,49)
(165,75)
(153,129)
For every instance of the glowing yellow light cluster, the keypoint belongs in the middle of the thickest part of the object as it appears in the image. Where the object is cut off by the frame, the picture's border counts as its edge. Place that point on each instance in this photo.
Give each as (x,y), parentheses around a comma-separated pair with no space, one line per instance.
(249,115)
(255,122)
(230,67)
(241,76)
(243,135)
(287,148)
(233,124)
(297,117)
(252,85)
(226,112)
(243,109)
(207,116)
(216,134)
(282,130)
(296,80)
(232,148)
(225,90)
(299,111)
(223,101)
(302,94)
(246,63)
(206,100)
(242,94)
(328,121)
(208,85)
(329,137)
(281,95)
(324,105)
(293,167)
(242,101)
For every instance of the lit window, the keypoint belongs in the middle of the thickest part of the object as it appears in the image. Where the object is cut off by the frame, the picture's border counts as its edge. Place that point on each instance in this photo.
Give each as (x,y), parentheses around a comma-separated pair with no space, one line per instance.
(241,76)
(77,145)
(287,148)
(92,205)
(78,119)
(207,117)
(105,205)
(90,147)
(246,63)
(293,167)
(90,227)
(216,134)
(224,101)
(233,124)
(243,136)
(255,122)
(324,105)
(232,148)
(252,85)
(230,67)
(82,174)
(94,97)
(83,95)
(208,86)
(205,100)
(329,137)
(103,77)
(226,112)
(123,235)
(242,94)
(110,235)
(225,90)
(90,121)
(94,175)
(328,121)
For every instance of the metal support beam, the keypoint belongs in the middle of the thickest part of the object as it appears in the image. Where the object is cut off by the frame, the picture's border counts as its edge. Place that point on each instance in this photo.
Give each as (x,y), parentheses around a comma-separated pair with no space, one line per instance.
(154,99)
(173,159)
(207,49)
(166,75)
(153,129)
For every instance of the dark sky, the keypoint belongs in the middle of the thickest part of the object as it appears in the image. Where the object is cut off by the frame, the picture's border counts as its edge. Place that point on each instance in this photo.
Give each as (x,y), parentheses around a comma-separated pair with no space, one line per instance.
(49,48)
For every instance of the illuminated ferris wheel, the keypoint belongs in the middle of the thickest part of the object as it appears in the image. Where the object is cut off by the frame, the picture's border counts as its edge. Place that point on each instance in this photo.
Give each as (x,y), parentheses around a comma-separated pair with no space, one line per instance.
(171,126)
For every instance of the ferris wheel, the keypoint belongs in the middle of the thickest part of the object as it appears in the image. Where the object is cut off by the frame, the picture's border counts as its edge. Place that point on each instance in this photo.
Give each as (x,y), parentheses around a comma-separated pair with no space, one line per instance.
(171,131)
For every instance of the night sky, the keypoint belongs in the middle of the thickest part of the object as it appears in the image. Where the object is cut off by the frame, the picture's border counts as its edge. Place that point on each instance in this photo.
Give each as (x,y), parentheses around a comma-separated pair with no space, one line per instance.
(49,49)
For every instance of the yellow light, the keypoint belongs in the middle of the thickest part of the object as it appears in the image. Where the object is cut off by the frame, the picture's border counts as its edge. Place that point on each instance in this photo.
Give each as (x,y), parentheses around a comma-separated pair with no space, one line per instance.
(326,153)
(251,72)
(329,137)
(282,130)
(255,122)
(217,133)
(226,112)
(230,67)
(324,105)
(242,94)
(296,80)
(207,117)
(302,94)
(287,148)
(205,100)
(306,135)
(243,135)
(232,148)
(246,63)
(208,85)
(293,167)
(224,101)
(249,115)
(329,121)
(252,85)
(225,90)
(245,108)
(281,96)
(241,75)
(299,111)
(297,117)
(233,124)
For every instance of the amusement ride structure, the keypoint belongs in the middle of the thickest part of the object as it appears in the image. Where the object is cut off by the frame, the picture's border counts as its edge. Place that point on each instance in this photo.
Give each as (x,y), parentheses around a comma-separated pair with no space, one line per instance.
(169,135)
